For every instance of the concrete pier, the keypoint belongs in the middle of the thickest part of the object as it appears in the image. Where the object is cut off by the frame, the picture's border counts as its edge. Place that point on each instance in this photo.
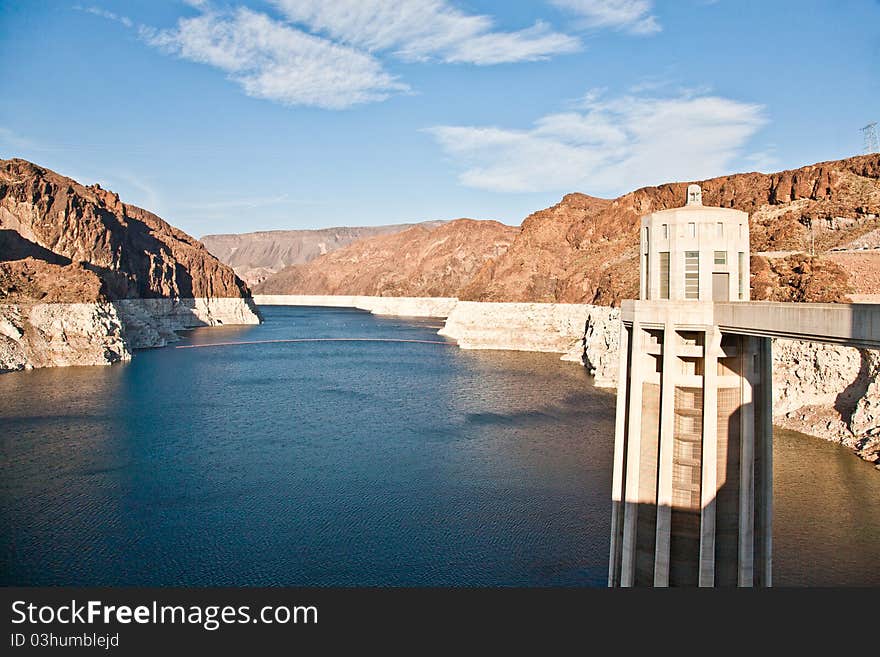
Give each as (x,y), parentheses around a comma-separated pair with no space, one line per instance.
(692,487)
(693,474)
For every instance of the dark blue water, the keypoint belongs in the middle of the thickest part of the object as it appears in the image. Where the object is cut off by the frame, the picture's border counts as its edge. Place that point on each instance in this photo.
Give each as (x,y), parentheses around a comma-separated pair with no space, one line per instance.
(311,463)
(344,463)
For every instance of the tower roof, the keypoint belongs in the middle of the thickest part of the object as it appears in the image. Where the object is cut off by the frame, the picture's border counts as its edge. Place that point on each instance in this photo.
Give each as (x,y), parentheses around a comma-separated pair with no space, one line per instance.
(694,207)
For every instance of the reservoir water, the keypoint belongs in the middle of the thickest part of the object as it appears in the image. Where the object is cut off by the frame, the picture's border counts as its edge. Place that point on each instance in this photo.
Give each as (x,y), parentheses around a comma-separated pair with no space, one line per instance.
(353,463)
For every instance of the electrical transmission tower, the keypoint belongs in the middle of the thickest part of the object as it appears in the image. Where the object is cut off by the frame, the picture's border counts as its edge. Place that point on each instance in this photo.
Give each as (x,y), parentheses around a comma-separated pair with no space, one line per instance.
(870,132)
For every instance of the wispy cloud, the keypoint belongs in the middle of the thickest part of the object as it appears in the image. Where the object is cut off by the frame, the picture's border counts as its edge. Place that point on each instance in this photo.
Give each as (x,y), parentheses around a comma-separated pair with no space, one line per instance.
(633,16)
(103,13)
(327,54)
(765,160)
(249,203)
(140,190)
(13,140)
(419,30)
(608,147)
(277,62)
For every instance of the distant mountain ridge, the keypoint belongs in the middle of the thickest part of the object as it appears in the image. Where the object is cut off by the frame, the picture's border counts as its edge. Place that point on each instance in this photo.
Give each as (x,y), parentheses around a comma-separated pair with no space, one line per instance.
(256,256)
(422,261)
(585,249)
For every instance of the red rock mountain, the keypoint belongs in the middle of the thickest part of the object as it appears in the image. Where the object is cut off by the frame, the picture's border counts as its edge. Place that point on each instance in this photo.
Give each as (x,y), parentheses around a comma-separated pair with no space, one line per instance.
(256,256)
(584,249)
(425,260)
(62,241)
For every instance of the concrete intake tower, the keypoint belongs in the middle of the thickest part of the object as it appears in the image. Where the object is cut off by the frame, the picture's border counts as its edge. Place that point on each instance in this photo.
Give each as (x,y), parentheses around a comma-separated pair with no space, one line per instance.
(692,487)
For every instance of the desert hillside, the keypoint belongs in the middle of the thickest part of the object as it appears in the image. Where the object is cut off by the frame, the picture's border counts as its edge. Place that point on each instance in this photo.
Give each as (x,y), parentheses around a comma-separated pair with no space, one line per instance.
(585,249)
(423,260)
(62,241)
(256,256)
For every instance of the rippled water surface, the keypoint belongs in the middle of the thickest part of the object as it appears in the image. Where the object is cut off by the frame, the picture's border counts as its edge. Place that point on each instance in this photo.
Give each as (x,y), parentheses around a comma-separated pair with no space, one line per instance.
(353,463)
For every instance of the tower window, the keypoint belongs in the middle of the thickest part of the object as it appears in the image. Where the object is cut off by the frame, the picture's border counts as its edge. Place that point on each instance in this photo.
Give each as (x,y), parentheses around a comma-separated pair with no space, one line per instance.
(721,257)
(666,231)
(691,274)
(742,275)
(719,227)
(664,274)
(692,229)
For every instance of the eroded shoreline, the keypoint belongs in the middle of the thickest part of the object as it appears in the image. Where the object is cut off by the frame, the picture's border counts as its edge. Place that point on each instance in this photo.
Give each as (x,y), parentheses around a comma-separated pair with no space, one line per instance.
(34,335)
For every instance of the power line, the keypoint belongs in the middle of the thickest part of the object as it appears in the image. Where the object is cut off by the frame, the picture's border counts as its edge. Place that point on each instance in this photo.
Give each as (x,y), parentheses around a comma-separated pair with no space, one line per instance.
(870,133)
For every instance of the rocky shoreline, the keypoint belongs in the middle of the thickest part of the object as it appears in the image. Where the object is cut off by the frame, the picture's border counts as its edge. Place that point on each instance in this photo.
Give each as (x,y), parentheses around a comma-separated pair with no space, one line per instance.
(401,306)
(36,335)
(827,391)
(86,278)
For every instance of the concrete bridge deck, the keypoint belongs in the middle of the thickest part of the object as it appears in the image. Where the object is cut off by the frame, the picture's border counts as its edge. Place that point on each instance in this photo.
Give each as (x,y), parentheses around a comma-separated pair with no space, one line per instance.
(851,324)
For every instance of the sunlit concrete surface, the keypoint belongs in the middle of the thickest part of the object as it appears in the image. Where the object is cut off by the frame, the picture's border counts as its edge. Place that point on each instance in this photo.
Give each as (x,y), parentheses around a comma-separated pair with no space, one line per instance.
(692,498)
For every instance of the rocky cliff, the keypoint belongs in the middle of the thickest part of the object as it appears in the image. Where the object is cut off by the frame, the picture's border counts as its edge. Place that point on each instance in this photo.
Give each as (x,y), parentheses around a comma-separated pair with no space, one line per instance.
(80,269)
(135,253)
(799,278)
(256,256)
(59,334)
(418,262)
(584,249)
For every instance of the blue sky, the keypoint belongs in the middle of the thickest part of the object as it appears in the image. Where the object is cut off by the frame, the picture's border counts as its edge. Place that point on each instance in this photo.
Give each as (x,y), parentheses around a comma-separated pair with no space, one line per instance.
(231,116)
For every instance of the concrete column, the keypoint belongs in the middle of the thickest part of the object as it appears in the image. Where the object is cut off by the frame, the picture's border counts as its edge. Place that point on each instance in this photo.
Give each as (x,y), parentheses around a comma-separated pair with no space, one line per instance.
(666,452)
(747,465)
(633,457)
(709,484)
(617,479)
(765,510)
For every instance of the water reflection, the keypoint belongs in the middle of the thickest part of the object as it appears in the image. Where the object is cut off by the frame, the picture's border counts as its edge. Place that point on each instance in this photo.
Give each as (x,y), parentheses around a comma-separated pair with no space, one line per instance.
(826,514)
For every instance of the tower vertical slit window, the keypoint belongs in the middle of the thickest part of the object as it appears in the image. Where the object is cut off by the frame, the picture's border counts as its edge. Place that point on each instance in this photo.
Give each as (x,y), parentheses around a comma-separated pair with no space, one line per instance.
(742,275)
(664,274)
(691,274)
